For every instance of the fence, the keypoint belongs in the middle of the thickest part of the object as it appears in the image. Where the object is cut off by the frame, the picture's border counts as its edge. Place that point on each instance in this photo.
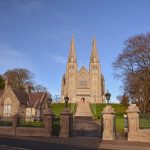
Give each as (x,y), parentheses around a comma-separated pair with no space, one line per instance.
(144,121)
(6,121)
(31,122)
(37,126)
(56,126)
(26,126)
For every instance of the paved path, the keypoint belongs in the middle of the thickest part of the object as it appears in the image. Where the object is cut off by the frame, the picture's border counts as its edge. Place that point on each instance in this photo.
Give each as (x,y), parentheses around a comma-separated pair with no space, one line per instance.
(86,126)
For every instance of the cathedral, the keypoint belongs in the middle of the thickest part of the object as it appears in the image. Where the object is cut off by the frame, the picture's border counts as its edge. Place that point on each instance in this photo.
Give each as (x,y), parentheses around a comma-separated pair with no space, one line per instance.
(83,85)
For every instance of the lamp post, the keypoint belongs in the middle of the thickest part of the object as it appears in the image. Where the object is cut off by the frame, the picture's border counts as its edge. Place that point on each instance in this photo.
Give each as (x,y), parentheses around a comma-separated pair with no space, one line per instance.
(108,95)
(132,93)
(66,101)
(49,102)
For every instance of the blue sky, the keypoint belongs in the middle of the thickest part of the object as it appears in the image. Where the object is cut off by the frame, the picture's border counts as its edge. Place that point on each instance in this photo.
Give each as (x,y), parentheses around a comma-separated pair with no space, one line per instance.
(36,34)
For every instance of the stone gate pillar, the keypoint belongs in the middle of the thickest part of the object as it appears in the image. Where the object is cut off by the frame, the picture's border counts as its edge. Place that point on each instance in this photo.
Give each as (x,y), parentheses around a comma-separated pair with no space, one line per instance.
(108,123)
(66,123)
(133,122)
(48,118)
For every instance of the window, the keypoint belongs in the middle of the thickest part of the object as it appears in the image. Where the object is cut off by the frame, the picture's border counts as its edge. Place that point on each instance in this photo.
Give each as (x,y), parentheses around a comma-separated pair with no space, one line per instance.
(83,81)
(71,67)
(94,67)
(7,107)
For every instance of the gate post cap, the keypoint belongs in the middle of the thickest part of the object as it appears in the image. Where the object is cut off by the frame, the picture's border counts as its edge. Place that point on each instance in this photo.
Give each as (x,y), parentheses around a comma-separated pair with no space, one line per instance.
(108,110)
(133,108)
(48,111)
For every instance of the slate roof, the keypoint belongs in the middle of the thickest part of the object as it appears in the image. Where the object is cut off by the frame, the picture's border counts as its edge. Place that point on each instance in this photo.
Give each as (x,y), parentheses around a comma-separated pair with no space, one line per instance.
(29,99)
(22,96)
(34,97)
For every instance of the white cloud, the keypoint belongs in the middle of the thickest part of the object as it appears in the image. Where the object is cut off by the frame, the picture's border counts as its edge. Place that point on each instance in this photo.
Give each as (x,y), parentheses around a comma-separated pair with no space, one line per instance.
(10,57)
(58,58)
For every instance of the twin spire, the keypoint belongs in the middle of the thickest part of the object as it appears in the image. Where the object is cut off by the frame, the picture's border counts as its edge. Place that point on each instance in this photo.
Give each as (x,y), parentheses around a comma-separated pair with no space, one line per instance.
(72,53)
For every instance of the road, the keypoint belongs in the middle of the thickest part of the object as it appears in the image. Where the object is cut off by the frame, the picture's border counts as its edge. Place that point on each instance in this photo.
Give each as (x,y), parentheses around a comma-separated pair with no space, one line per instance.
(12,143)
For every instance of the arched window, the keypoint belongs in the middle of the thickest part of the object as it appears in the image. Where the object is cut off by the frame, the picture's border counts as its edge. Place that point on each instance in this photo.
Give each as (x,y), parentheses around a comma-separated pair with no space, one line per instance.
(7,107)
(83,81)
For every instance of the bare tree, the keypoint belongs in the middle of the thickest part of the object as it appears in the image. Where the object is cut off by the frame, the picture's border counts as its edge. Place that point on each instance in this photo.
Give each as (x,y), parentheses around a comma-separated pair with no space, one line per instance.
(18,77)
(2,83)
(133,67)
(40,88)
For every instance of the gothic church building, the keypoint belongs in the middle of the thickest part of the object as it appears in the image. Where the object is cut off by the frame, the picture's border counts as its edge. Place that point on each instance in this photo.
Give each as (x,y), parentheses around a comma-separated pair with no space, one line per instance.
(83,85)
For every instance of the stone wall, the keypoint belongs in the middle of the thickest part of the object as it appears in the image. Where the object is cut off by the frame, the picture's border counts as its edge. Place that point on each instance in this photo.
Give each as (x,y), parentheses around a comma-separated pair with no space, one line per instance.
(15,130)
(134,132)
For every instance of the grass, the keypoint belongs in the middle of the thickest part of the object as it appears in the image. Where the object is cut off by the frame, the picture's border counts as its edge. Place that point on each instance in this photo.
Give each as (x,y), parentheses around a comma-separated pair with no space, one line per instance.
(23,123)
(120,124)
(98,108)
(118,108)
(57,108)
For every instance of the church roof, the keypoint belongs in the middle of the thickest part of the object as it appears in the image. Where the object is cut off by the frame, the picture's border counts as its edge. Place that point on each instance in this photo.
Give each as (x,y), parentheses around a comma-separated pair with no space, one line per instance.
(83,68)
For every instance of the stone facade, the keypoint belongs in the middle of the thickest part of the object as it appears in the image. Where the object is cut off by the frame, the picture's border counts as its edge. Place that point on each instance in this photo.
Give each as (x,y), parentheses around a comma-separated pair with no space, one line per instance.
(16,106)
(29,104)
(84,84)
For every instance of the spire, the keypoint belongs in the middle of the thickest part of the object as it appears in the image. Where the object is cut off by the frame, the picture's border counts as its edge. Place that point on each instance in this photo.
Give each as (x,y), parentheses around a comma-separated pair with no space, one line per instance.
(72,52)
(94,53)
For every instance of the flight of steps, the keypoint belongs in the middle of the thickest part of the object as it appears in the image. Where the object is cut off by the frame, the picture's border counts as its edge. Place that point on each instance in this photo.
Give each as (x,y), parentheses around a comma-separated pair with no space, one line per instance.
(83,109)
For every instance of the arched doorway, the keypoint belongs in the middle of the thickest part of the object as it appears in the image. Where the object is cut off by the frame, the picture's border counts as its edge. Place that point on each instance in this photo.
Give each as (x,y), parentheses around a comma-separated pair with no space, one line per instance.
(83,99)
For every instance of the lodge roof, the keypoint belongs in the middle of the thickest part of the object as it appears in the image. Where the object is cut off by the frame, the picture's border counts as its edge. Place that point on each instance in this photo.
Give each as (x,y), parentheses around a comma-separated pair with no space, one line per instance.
(35,98)
(31,99)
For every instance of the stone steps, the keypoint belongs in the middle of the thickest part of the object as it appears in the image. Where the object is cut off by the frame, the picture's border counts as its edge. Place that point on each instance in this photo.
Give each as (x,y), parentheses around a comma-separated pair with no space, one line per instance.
(83,109)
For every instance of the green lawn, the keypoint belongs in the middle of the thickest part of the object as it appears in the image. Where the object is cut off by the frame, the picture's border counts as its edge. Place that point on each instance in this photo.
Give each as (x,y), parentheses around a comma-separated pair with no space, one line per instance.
(98,108)
(57,108)
(120,124)
(119,109)
(24,123)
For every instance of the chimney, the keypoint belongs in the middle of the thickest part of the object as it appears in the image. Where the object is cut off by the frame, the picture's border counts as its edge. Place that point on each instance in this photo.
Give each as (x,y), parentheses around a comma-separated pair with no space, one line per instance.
(6,83)
(28,88)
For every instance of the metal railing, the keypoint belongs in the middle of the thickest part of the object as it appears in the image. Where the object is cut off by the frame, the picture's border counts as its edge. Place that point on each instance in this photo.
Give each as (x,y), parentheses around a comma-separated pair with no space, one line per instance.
(31,122)
(56,126)
(6,121)
(144,121)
